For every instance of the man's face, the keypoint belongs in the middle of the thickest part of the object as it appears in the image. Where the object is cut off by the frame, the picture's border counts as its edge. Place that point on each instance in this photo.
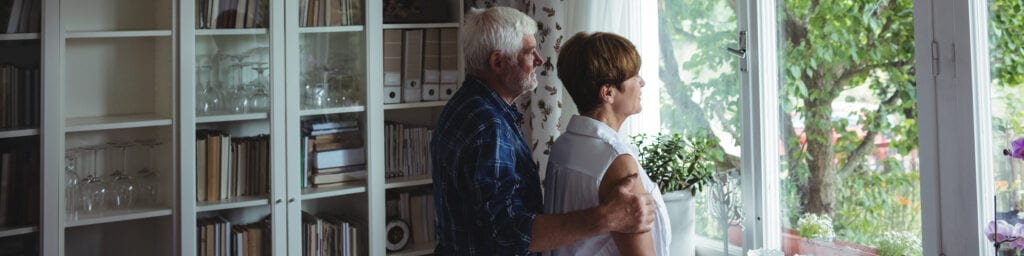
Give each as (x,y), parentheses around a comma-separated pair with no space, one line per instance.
(522,77)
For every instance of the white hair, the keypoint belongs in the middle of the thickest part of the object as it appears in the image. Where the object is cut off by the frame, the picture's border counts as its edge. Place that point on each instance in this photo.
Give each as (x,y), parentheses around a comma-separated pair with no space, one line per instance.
(493,29)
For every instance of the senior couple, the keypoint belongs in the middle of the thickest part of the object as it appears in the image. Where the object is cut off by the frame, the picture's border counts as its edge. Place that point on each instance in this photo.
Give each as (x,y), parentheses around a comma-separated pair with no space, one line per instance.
(596,200)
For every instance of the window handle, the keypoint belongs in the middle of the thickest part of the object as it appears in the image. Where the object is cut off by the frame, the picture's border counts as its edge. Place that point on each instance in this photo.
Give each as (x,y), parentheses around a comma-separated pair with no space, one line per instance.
(741,52)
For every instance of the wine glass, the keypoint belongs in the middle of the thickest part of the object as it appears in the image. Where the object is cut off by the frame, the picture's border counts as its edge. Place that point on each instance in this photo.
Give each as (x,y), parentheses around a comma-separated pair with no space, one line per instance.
(71,189)
(146,177)
(93,190)
(208,99)
(120,182)
(239,101)
(260,100)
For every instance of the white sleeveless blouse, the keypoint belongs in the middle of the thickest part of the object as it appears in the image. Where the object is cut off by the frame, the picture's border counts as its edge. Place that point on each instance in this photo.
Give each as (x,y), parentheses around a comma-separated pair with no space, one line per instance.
(579,159)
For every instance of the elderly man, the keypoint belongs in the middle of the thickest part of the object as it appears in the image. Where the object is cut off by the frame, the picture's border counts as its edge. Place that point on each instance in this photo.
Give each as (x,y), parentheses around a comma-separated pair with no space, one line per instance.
(486,186)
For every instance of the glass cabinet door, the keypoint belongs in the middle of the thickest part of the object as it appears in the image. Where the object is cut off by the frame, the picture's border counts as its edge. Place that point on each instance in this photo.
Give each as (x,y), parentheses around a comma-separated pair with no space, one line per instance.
(326,80)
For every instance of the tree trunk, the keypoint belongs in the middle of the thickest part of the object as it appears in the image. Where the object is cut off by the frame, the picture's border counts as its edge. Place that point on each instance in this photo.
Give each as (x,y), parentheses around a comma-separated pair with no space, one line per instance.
(819,196)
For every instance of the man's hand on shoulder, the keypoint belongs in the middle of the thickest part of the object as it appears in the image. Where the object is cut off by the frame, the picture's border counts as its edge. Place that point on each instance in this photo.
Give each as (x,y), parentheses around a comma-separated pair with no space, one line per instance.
(626,211)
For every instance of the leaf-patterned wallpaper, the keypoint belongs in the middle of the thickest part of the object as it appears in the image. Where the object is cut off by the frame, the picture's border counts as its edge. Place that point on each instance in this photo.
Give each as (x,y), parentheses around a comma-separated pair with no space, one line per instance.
(542,108)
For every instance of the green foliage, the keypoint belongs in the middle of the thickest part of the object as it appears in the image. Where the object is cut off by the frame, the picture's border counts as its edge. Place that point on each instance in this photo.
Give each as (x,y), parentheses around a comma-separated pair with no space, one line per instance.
(873,203)
(1006,22)
(677,163)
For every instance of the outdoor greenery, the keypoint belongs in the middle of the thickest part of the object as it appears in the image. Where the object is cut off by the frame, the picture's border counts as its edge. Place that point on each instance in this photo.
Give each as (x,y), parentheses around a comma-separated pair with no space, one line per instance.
(856,164)
(829,48)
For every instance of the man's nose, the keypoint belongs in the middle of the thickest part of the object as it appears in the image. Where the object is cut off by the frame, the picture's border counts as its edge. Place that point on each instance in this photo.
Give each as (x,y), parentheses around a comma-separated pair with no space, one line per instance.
(537,61)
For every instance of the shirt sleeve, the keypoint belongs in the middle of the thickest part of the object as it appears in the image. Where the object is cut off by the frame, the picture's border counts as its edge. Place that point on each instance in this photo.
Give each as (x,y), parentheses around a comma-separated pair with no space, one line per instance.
(498,184)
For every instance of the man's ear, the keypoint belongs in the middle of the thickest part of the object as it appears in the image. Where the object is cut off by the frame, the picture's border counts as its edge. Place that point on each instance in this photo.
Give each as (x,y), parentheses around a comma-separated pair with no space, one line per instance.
(496,62)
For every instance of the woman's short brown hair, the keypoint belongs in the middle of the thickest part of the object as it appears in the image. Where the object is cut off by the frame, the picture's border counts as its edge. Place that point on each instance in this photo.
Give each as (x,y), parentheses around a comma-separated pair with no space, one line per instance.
(587,62)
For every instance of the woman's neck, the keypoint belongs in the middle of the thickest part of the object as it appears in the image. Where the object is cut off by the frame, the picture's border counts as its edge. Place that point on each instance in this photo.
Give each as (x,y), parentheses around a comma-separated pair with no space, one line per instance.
(607,117)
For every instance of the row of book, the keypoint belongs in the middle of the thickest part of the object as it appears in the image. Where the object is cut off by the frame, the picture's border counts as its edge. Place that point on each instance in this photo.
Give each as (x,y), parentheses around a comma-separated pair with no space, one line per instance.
(329,235)
(420,65)
(229,167)
(19,186)
(320,13)
(416,207)
(19,97)
(408,149)
(334,152)
(218,237)
(20,16)
(231,14)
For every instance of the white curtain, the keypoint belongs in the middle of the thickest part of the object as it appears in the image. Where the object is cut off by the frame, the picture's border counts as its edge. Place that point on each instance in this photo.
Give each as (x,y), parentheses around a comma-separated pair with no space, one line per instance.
(636,20)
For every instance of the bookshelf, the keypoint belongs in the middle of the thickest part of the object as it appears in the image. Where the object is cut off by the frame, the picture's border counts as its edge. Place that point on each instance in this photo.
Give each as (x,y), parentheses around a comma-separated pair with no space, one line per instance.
(19,36)
(111,116)
(20,143)
(230,111)
(18,133)
(118,216)
(9,232)
(131,84)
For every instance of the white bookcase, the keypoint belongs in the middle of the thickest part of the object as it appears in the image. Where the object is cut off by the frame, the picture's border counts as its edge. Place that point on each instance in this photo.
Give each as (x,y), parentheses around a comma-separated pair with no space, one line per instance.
(109,78)
(141,71)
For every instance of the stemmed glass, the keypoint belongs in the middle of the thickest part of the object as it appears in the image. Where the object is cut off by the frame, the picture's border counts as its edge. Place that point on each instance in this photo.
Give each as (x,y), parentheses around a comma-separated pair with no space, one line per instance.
(94,191)
(146,177)
(208,99)
(239,100)
(71,190)
(120,182)
(260,100)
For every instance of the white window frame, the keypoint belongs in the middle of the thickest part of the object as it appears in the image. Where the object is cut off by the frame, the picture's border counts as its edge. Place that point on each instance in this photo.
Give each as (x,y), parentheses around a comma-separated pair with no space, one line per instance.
(953,122)
(759,98)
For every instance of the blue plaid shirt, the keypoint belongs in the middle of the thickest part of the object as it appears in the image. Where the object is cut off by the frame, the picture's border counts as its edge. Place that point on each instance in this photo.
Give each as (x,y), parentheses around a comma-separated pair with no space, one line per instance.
(486,187)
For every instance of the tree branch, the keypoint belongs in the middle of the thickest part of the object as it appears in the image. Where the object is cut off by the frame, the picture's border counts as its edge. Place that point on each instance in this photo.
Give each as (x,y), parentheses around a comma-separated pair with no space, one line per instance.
(796,31)
(669,73)
(810,11)
(885,26)
(869,138)
(850,73)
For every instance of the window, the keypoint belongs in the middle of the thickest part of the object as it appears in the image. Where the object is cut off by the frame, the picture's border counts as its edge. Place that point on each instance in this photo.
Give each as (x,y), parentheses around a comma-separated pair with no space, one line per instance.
(1006,87)
(700,97)
(848,124)
(847,114)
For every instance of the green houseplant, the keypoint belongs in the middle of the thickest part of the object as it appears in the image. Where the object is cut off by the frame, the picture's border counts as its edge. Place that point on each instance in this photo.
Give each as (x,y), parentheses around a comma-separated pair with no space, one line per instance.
(678,164)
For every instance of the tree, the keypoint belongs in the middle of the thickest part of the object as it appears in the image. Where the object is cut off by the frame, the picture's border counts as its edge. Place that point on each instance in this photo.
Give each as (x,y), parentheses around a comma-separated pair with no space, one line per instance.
(830,46)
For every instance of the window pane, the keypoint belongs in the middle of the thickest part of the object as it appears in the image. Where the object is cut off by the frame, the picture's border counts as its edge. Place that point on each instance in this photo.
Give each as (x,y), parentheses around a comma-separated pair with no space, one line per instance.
(849,176)
(1007,76)
(700,99)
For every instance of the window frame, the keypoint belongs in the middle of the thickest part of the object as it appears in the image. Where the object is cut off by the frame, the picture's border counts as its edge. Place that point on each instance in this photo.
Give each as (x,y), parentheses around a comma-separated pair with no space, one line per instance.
(949,195)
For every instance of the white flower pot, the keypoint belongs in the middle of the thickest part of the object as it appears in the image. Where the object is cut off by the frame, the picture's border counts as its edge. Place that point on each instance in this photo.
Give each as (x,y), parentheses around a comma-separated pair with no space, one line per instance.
(680,211)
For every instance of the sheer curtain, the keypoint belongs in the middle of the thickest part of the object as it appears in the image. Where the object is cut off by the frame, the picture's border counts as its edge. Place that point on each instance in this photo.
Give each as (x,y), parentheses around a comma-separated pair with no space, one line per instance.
(638,22)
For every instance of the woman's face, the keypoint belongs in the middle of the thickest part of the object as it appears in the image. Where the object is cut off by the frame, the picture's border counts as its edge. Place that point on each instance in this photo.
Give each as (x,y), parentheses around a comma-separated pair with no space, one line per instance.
(627,101)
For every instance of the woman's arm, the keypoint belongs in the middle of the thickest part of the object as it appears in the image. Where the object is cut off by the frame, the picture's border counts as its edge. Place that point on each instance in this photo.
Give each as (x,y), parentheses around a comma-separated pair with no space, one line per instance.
(628,243)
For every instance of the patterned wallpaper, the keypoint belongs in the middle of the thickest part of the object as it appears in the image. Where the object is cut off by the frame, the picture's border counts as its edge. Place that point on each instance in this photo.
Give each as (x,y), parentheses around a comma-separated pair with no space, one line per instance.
(543,107)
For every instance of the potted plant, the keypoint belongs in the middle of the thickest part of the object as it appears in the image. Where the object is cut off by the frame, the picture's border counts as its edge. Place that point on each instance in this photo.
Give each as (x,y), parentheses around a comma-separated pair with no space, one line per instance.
(681,166)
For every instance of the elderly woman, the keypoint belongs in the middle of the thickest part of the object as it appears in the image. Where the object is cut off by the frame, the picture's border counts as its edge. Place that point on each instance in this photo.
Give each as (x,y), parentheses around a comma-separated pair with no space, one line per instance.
(601,73)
